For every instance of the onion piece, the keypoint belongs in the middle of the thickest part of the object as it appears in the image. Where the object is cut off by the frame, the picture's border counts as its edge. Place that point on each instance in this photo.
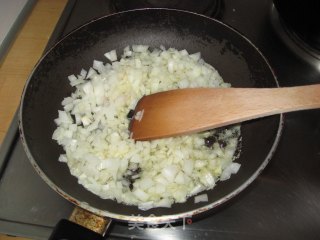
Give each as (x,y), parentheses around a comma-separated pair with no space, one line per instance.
(112,55)
(233,168)
(201,198)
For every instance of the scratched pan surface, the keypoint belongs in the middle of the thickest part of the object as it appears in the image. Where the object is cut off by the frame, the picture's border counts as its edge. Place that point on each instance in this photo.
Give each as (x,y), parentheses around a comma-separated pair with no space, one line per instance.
(236,59)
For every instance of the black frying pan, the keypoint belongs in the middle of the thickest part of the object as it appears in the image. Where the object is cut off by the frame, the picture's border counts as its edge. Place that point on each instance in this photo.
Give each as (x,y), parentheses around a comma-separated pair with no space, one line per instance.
(235,57)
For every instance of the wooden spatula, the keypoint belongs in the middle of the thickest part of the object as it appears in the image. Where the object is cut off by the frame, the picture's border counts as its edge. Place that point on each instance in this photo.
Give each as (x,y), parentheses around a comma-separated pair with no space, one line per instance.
(190,110)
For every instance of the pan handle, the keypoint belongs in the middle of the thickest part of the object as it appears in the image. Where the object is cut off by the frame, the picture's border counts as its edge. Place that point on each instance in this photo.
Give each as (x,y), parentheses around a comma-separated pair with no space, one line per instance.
(82,224)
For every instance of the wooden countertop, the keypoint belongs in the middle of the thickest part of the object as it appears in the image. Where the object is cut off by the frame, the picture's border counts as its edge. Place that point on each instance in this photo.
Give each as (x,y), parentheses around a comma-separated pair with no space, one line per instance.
(21,58)
(23,55)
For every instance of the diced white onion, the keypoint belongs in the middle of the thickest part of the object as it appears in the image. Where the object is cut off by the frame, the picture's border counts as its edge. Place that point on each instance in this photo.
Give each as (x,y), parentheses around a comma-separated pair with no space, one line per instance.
(233,168)
(63,158)
(93,130)
(138,116)
(112,55)
(201,198)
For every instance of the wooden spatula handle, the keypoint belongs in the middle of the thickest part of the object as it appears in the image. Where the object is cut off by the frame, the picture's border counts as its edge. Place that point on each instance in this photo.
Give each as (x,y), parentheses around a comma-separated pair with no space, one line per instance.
(252,102)
(191,110)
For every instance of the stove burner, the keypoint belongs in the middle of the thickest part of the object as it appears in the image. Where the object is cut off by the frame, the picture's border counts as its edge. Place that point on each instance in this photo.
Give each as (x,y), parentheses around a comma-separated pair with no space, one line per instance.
(211,8)
(293,41)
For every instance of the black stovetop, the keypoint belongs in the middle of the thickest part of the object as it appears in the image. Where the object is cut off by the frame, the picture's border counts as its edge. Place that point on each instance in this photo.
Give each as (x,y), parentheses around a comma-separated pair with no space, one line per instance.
(283,203)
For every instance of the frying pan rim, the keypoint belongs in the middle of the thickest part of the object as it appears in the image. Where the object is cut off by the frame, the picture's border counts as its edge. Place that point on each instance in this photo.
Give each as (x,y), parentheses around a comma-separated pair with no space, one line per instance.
(150,219)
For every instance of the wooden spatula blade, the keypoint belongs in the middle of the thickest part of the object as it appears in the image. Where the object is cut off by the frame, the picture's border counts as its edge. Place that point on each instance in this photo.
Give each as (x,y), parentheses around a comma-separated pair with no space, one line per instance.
(186,111)
(165,114)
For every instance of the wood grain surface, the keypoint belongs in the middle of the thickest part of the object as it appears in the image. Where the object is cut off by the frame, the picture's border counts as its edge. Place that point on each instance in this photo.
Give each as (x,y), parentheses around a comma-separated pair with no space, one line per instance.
(23,54)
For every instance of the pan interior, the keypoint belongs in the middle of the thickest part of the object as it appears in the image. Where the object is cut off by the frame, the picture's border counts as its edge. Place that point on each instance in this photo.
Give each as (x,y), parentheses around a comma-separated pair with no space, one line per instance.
(236,59)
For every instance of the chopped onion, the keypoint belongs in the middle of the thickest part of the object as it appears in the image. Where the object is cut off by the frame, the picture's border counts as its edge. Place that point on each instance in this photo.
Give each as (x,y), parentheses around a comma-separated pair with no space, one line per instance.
(91,73)
(201,198)
(138,116)
(63,158)
(83,73)
(141,195)
(93,130)
(233,168)
(112,55)
(99,66)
